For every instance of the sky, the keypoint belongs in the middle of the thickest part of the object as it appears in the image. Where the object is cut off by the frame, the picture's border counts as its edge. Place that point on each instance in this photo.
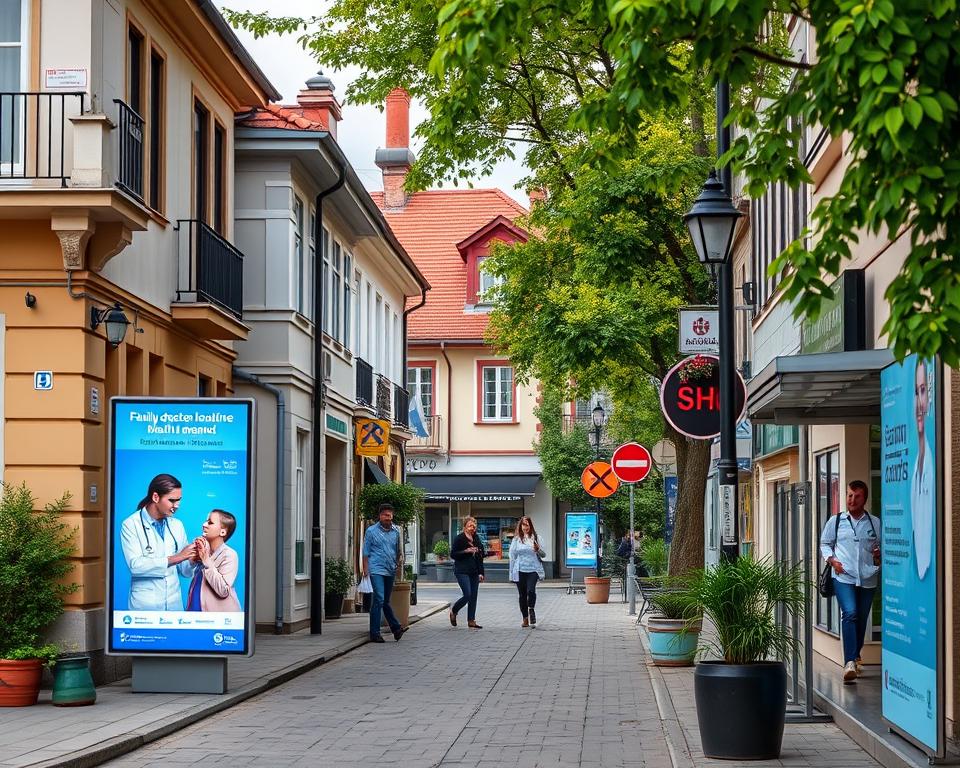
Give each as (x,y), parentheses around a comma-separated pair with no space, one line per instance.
(363,128)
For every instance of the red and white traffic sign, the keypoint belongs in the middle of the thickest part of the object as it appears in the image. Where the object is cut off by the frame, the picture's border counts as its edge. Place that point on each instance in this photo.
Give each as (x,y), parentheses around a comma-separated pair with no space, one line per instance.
(631,463)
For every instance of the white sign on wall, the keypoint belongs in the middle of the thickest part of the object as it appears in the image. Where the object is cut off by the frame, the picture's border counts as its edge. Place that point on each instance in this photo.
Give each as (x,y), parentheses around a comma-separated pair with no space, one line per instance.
(68,79)
(728,523)
(699,331)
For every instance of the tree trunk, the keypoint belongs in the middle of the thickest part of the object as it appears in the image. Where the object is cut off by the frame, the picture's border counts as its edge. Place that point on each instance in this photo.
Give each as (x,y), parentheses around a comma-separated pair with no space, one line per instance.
(693,465)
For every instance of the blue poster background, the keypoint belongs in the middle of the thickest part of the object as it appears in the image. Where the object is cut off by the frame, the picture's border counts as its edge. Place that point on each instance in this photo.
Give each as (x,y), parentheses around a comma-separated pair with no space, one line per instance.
(581,539)
(670,504)
(205,446)
(911,547)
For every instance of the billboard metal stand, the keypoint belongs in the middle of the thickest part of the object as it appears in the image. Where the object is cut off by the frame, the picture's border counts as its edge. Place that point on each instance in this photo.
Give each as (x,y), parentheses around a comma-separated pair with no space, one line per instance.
(179,674)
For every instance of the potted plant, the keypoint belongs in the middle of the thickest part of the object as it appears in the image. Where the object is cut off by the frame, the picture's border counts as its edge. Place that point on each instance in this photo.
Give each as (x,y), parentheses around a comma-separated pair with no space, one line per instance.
(407,501)
(441,550)
(741,696)
(673,628)
(34,565)
(337,580)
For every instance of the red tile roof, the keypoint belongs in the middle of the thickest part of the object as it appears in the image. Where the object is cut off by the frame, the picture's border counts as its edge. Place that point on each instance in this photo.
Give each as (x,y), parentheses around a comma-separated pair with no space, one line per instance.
(429,227)
(277,116)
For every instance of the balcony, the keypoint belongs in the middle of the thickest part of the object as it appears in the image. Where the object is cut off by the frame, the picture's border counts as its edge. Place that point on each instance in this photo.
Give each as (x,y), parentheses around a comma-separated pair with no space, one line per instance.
(364,382)
(33,134)
(384,395)
(401,406)
(433,442)
(210,278)
(130,165)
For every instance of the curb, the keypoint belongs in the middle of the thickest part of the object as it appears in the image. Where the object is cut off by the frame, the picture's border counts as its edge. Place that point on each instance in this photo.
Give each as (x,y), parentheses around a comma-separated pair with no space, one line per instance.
(122,745)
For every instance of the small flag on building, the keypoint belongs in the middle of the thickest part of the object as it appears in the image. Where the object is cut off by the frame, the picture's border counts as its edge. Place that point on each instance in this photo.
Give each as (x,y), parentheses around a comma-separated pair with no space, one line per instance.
(418,422)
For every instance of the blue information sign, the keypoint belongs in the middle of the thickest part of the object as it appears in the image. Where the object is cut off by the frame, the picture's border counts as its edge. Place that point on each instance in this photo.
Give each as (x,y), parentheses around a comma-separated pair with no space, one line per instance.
(581,540)
(912,690)
(180,523)
(670,502)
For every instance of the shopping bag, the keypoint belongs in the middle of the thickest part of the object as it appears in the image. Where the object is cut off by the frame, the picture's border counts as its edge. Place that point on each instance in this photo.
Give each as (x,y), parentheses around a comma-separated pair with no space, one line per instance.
(365,587)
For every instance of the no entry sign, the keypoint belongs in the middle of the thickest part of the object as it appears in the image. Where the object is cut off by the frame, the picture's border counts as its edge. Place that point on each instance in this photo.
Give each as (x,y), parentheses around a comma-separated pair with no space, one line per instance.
(631,463)
(598,480)
(690,397)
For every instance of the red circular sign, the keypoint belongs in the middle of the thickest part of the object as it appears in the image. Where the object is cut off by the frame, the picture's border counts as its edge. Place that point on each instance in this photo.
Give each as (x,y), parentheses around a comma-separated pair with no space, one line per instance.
(631,462)
(690,397)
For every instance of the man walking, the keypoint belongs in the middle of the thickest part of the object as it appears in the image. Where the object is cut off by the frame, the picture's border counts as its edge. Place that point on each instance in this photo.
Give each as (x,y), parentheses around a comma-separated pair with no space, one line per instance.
(381,561)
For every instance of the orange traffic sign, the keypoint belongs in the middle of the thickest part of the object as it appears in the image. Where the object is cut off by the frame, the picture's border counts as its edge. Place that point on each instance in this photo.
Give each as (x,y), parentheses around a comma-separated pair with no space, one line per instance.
(598,480)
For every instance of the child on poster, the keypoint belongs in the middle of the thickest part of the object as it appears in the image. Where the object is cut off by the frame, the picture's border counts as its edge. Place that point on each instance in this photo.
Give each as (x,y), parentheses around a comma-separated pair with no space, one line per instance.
(216,566)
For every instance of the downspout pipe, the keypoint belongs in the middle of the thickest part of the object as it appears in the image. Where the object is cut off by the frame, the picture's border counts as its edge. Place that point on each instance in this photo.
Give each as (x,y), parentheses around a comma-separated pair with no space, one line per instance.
(249,378)
(319,402)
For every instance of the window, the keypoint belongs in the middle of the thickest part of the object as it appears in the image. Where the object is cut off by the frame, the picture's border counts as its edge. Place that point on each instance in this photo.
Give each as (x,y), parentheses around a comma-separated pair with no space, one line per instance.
(325,287)
(368,344)
(310,268)
(386,361)
(347,306)
(335,293)
(219,178)
(420,385)
(496,393)
(828,505)
(14,22)
(204,386)
(487,283)
(201,122)
(300,513)
(395,364)
(356,314)
(155,130)
(135,69)
(377,362)
(300,273)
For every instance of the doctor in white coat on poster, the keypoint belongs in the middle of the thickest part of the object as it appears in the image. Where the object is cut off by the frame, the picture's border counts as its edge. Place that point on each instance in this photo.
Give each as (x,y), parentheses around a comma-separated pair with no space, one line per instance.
(156,548)
(923,485)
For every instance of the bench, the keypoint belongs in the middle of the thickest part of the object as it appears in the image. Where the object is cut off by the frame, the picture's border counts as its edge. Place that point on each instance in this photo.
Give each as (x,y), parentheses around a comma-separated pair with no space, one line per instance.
(647,588)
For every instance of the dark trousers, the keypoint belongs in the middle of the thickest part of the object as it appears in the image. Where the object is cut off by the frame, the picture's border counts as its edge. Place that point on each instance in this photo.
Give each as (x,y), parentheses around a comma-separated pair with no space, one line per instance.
(382,587)
(469,584)
(527,587)
(855,603)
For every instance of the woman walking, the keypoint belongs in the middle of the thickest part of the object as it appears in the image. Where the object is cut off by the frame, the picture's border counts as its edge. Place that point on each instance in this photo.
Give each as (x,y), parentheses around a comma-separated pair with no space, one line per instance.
(526,568)
(467,554)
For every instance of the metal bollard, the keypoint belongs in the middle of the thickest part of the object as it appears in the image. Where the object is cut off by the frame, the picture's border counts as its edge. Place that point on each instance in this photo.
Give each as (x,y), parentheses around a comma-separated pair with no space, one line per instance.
(631,587)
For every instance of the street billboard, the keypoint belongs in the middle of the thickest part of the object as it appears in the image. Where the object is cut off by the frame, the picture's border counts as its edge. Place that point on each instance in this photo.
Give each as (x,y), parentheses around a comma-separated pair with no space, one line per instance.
(180,523)
(911,542)
(670,502)
(581,539)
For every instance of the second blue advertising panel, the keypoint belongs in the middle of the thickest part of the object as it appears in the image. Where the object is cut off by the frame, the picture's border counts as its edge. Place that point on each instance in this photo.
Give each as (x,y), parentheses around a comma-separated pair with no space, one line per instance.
(911,693)
(581,541)
(180,523)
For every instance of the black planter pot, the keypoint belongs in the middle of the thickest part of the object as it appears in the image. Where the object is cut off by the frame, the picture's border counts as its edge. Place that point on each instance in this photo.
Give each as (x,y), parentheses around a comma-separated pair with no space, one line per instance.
(741,709)
(333,606)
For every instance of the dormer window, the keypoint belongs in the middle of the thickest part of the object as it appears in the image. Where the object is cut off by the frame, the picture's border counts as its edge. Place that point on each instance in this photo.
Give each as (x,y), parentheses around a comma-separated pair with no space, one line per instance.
(475,250)
(487,283)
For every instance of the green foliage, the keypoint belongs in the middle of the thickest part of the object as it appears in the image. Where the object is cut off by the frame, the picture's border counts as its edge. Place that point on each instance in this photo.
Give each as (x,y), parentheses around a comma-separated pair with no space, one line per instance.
(442,549)
(34,565)
(612,564)
(407,501)
(675,605)
(337,576)
(739,598)
(654,555)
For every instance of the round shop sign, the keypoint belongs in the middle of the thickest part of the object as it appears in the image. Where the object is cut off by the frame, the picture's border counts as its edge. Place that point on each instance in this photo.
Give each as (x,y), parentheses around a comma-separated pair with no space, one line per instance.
(690,397)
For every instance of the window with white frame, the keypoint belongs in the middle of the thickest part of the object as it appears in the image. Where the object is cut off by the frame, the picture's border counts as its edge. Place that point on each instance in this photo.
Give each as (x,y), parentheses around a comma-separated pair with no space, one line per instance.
(395,373)
(347,303)
(497,402)
(420,385)
(357,330)
(301,275)
(310,267)
(388,343)
(367,313)
(377,362)
(336,274)
(13,71)
(300,513)
(487,282)
(325,287)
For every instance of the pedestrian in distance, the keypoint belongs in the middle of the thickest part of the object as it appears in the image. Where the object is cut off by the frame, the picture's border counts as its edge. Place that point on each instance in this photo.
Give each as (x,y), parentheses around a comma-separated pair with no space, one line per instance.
(850,544)
(526,568)
(382,562)
(467,554)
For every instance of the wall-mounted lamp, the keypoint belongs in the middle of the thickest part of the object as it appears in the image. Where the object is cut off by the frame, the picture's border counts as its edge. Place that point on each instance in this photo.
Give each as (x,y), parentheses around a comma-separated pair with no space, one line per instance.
(749,296)
(114,319)
(30,300)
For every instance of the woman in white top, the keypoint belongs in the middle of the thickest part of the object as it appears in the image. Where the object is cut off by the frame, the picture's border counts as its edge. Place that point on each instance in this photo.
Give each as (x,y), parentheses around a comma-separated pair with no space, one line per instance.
(526,568)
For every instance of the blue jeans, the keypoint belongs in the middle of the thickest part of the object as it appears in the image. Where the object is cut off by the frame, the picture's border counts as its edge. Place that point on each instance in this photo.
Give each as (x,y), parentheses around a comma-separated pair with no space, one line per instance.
(469,584)
(380,602)
(855,603)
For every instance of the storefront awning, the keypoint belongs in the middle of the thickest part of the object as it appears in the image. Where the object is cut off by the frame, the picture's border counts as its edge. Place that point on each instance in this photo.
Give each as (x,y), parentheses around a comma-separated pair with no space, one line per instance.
(373,473)
(476,487)
(825,388)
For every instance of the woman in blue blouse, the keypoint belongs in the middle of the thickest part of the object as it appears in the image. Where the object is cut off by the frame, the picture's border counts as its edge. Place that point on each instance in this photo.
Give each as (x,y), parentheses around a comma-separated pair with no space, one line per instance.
(526,568)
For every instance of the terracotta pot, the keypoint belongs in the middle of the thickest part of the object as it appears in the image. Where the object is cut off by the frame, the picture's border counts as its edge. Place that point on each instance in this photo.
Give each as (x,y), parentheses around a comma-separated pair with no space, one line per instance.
(597,588)
(19,682)
(400,602)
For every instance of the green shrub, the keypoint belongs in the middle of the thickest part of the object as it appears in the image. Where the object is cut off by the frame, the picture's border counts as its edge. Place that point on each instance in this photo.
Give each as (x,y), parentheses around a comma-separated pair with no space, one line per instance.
(337,576)
(442,549)
(675,605)
(655,556)
(407,501)
(35,548)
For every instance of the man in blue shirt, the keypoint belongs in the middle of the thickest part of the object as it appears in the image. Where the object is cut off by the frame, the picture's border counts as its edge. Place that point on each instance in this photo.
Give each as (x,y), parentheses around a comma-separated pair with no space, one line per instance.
(381,561)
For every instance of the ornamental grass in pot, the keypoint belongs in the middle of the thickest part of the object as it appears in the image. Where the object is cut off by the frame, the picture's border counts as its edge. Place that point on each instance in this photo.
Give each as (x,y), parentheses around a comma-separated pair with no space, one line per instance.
(741,696)
(673,628)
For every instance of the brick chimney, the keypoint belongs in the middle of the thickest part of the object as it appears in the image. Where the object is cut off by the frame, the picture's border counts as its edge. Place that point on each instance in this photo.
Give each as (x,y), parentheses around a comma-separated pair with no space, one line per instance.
(396,158)
(536,195)
(318,103)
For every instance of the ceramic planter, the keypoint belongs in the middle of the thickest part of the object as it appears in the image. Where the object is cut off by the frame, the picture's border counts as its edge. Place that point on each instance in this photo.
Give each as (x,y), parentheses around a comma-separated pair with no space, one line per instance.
(400,602)
(597,588)
(19,682)
(673,642)
(73,683)
(333,606)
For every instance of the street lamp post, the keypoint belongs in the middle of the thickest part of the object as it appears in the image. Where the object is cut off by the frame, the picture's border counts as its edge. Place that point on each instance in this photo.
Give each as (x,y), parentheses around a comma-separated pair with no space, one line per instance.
(599,419)
(712,221)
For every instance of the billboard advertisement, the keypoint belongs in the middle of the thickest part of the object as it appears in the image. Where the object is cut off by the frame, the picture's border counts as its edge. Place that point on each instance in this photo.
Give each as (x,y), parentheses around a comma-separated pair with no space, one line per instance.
(912,692)
(581,540)
(180,524)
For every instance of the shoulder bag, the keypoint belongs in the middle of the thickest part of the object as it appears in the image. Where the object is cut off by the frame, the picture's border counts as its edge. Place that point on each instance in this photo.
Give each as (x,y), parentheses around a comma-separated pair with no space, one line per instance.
(825,582)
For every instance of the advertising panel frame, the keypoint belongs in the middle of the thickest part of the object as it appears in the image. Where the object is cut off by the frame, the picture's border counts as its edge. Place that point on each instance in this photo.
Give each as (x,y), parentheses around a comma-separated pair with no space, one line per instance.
(937,401)
(566,538)
(112,525)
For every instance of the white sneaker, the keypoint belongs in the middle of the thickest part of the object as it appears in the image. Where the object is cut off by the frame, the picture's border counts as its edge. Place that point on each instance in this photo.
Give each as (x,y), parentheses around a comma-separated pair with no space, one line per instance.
(850,672)
(859,665)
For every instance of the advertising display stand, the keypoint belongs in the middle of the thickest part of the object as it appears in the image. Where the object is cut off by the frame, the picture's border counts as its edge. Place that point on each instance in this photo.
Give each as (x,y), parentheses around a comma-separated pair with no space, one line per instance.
(179,674)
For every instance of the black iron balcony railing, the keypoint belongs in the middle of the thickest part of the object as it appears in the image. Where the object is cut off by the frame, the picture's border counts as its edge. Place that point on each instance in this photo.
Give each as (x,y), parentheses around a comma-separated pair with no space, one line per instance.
(384,395)
(401,406)
(33,133)
(433,442)
(211,269)
(130,161)
(364,382)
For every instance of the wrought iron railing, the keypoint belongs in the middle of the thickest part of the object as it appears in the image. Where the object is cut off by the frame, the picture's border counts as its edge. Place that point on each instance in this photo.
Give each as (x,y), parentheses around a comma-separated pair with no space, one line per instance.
(384,394)
(364,382)
(401,406)
(130,160)
(433,441)
(211,269)
(33,138)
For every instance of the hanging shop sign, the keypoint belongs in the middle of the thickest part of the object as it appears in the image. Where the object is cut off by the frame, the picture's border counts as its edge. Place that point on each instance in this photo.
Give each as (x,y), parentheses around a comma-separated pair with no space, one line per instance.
(581,539)
(699,330)
(373,437)
(598,480)
(690,397)
(912,695)
(180,522)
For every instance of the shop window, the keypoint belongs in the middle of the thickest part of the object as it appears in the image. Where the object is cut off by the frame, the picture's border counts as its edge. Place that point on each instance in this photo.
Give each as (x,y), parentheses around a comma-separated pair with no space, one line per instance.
(496,533)
(828,504)
(497,393)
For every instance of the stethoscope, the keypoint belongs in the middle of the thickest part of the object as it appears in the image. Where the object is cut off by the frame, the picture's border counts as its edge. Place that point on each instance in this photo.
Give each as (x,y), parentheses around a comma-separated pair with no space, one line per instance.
(148,547)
